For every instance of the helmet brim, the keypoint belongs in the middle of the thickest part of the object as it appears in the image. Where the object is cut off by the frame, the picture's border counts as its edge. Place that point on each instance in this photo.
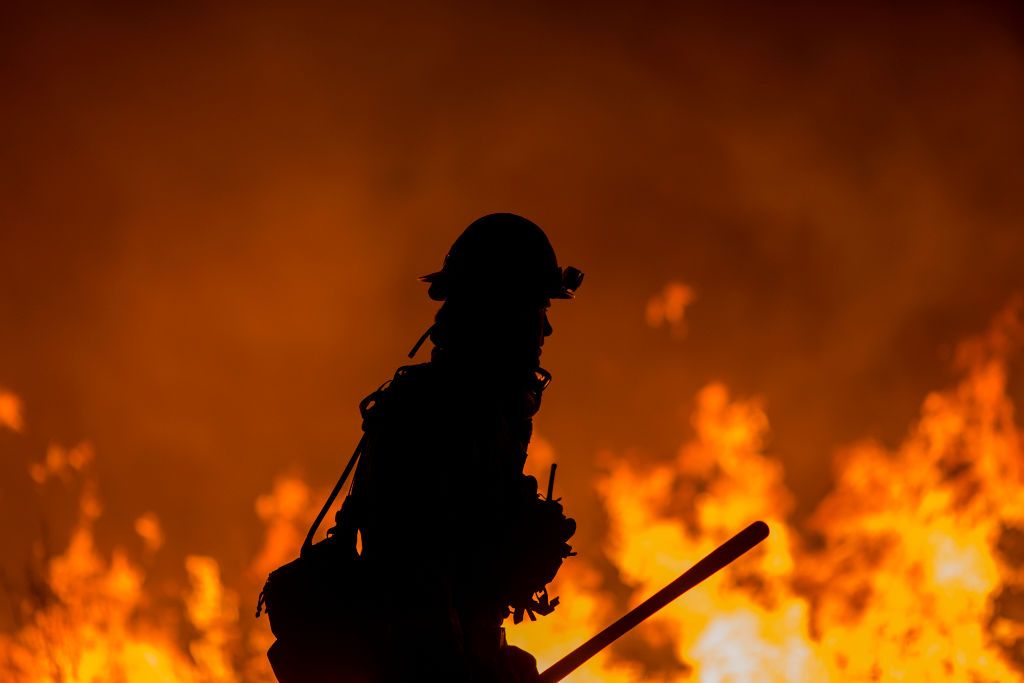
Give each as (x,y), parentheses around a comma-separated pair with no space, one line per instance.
(438,290)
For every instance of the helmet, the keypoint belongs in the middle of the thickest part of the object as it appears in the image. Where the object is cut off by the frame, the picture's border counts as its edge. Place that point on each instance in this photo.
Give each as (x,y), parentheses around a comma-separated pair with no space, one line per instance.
(506,256)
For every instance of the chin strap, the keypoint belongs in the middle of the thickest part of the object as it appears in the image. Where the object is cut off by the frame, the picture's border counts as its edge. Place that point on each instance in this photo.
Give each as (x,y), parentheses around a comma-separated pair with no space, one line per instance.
(422,339)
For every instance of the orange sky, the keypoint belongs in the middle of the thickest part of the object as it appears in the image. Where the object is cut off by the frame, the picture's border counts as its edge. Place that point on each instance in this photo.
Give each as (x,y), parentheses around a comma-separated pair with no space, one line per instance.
(211,221)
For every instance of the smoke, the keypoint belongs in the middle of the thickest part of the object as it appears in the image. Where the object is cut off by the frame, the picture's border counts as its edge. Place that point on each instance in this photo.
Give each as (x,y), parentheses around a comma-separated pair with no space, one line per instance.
(213,217)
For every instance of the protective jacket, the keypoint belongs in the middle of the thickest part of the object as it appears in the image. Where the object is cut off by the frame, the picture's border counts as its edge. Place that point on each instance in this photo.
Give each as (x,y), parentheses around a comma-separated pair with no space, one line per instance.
(454,535)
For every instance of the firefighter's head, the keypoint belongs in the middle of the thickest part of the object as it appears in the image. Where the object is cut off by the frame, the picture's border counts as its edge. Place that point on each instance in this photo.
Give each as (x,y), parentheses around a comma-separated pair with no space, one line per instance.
(505,259)
(497,282)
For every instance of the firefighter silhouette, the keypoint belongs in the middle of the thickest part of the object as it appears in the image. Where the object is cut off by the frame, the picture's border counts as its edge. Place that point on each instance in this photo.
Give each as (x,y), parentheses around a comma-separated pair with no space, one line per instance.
(455,537)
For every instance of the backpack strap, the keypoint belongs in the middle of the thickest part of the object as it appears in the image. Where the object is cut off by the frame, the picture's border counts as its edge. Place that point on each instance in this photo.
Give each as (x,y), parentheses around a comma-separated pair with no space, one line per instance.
(368,409)
(308,543)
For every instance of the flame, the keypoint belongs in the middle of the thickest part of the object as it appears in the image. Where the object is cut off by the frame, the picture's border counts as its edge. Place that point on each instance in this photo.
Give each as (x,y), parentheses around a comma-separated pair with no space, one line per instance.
(907,571)
(906,578)
(88,617)
(213,612)
(10,411)
(62,463)
(283,511)
(668,308)
(911,572)
(745,624)
(148,528)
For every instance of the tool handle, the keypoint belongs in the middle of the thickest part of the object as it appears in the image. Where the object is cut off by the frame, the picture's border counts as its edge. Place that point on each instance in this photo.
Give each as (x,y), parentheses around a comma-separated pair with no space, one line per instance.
(718,558)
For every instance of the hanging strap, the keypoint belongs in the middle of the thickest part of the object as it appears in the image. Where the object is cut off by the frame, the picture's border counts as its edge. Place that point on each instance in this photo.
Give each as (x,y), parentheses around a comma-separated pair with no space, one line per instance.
(308,543)
(419,343)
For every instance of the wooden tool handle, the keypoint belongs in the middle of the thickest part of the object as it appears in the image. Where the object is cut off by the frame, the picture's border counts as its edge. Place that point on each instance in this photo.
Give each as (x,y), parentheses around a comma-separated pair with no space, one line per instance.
(712,562)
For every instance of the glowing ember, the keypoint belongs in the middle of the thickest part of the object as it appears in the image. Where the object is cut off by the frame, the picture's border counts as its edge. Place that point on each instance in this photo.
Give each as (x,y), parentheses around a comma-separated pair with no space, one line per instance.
(62,462)
(10,411)
(148,528)
(668,308)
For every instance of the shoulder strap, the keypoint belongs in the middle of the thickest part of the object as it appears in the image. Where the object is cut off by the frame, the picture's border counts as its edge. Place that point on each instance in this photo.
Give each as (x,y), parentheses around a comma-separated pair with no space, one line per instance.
(366,408)
(308,543)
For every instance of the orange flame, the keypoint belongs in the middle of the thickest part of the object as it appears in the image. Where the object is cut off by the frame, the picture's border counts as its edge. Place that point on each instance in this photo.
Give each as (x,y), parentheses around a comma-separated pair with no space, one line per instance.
(907,571)
(668,307)
(10,411)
